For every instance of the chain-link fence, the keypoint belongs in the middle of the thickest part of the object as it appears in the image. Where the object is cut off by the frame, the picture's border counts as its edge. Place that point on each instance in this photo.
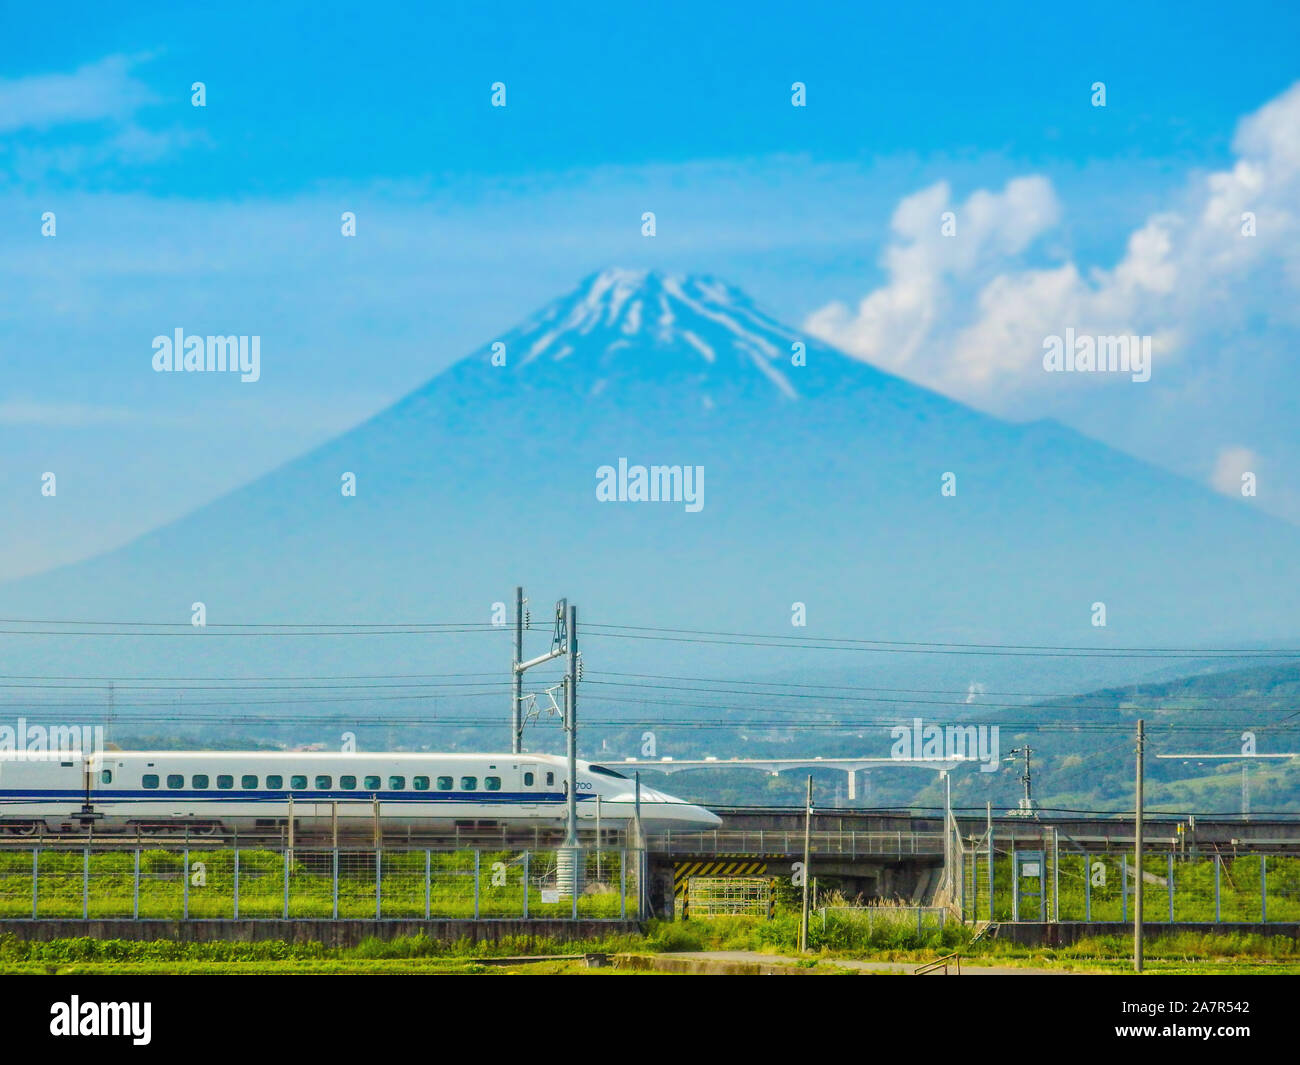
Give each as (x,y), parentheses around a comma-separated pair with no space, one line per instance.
(1055,882)
(252,883)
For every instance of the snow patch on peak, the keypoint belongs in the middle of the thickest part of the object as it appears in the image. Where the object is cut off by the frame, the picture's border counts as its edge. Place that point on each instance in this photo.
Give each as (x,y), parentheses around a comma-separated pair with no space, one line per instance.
(699,345)
(620,309)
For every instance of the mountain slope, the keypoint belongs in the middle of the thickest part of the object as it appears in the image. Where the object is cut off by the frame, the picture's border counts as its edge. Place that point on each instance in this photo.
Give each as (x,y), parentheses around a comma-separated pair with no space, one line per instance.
(821,486)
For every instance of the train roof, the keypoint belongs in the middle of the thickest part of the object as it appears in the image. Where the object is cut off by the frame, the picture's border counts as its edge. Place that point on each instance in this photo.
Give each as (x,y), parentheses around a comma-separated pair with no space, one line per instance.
(341,756)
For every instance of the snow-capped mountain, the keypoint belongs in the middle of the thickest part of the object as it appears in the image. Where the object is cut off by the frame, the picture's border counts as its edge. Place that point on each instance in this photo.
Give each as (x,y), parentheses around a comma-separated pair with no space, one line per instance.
(697,327)
(822,482)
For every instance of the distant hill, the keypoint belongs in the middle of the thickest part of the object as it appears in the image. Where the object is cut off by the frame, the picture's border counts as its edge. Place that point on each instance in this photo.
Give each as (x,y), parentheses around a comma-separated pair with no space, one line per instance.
(1083,752)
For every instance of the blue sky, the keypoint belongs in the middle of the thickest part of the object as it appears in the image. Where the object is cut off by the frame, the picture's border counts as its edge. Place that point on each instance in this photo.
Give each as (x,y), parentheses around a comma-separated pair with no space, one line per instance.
(225,219)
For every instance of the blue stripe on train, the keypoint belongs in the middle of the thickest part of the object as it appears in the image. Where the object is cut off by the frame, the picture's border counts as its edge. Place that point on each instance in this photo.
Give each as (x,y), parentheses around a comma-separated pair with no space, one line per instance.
(164,795)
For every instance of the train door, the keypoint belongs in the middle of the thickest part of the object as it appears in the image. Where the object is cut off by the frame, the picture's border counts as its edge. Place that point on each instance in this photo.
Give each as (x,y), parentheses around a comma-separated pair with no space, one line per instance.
(530,784)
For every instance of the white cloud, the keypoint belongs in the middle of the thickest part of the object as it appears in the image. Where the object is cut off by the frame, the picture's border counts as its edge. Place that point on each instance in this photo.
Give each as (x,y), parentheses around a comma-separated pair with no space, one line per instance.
(106,89)
(1229,467)
(62,415)
(967,315)
(894,325)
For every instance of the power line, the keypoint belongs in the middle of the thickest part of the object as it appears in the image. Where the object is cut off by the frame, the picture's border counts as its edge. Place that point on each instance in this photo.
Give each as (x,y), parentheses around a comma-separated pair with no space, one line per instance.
(624,631)
(750,639)
(964,692)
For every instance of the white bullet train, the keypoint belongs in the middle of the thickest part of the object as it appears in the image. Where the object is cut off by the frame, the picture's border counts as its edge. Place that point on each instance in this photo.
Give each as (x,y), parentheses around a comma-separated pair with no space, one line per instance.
(210,791)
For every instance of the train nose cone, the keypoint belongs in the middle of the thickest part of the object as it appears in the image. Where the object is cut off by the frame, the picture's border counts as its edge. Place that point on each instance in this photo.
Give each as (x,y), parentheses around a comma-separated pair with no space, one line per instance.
(705,818)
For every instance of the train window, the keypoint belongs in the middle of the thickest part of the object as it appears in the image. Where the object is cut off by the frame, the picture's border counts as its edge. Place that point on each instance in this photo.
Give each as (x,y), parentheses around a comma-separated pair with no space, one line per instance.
(297,782)
(550,779)
(106,777)
(397,783)
(275,782)
(444,783)
(372,783)
(347,783)
(492,783)
(324,783)
(225,782)
(528,780)
(200,780)
(175,780)
(469,783)
(248,782)
(150,780)
(421,783)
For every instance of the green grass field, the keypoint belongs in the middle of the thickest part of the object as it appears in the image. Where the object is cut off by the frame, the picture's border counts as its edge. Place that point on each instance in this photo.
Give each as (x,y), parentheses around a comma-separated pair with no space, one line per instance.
(1182,953)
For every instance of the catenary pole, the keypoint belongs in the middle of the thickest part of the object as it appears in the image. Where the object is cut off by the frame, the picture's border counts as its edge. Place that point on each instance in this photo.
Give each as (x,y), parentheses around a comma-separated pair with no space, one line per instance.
(516,723)
(571,726)
(807,866)
(1137,853)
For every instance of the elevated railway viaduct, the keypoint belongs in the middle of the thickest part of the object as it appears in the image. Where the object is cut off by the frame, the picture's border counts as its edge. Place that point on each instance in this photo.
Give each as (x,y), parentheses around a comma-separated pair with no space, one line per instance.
(890,854)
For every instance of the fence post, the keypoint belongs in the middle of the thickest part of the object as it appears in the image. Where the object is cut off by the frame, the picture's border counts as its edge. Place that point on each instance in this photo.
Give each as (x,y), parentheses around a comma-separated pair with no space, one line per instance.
(974,882)
(1056,874)
(334,887)
(286,885)
(379,879)
(476,881)
(185,883)
(526,882)
(1171,887)
(36,867)
(236,893)
(577,857)
(85,883)
(1015,884)
(1123,886)
(1087,888)
(428,875)
(1263,889)
(1218,868)
(992,914)
(622,884)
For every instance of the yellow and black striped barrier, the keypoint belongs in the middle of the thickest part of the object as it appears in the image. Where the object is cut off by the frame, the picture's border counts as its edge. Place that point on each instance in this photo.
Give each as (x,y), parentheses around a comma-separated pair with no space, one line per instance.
(683,871)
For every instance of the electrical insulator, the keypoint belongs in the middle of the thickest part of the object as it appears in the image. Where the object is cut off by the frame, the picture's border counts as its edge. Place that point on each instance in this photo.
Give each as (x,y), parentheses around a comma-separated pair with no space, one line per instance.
(528,619)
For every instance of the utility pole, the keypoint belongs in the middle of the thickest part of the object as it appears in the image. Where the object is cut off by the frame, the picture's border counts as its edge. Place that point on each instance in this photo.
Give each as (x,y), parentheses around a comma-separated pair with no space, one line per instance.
(1027,803)
(988,808)
(807,867)
(571,728)
(642,911)
(1137,853)
(516,713)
